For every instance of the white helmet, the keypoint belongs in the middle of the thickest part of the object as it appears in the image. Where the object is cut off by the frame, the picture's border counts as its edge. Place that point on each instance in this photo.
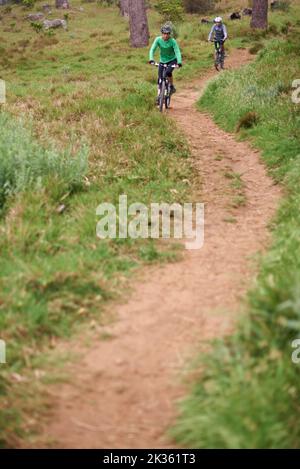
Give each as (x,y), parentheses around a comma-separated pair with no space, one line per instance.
(218,19)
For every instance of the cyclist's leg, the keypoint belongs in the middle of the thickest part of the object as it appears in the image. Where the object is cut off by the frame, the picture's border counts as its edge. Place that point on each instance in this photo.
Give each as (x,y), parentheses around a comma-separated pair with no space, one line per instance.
(217,45)
(169,74)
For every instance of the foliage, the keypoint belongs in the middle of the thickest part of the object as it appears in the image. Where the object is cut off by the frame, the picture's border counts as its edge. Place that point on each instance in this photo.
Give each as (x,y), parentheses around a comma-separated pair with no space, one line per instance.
(38,27)
(26,165)
(28,3)
(170,10)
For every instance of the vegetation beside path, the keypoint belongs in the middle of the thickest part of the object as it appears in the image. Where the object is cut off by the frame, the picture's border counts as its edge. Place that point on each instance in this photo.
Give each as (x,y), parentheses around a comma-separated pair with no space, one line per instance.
(248,393)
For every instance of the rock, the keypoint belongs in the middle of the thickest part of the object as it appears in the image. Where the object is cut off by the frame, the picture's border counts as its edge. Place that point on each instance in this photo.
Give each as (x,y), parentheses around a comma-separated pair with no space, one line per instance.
(46,8)
(62,4)
(205,21)
(61,208)
(235,16)
(18,378)
(35,16)
(247,12)
(51,24)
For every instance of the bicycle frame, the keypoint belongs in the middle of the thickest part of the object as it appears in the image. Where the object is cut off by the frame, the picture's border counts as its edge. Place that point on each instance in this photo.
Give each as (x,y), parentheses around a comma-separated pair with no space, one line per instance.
(164,86)
(219,55)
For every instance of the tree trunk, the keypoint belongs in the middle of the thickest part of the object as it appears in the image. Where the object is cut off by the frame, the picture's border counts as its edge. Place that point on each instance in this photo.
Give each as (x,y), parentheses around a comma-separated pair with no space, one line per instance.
(259,14)
(62,4)
(124,7)
(139,31)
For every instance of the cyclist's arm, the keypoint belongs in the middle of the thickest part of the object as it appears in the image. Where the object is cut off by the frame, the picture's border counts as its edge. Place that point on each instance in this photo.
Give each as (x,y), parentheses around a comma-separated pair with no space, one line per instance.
(211,33)
(153,49)
(177,51)
(225,32)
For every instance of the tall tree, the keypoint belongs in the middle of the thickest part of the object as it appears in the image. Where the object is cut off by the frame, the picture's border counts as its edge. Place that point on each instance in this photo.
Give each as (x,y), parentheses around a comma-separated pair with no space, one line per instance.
(124,7)
(138,23)
(259,14)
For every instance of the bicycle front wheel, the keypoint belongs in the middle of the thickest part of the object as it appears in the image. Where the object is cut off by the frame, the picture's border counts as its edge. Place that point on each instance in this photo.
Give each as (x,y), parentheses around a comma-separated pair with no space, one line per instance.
(217,61)
(168,97)
(162,96)
(222,61)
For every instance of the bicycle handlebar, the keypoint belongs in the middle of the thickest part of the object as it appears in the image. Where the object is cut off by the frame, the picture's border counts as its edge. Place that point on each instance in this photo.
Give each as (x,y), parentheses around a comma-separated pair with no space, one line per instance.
(156,64)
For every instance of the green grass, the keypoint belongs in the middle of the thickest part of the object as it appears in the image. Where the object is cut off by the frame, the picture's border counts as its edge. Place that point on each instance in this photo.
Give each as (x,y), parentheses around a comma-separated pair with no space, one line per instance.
(248,393)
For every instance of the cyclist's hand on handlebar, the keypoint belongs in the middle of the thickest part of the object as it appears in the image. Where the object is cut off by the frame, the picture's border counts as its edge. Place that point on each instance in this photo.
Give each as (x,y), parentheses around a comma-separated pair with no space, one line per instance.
(151,62)
(179,65)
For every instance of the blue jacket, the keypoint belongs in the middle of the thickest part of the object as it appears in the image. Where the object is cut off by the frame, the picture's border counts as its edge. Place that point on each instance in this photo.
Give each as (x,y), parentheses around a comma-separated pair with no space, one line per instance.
(219,32)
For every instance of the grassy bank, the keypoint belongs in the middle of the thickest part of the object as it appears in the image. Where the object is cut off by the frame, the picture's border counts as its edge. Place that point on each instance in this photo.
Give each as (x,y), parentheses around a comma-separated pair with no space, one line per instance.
(248,393)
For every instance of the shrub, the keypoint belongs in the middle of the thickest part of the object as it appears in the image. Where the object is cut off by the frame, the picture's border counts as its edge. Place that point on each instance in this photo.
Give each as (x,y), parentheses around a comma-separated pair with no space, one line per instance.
(170,10)
(36,26)
(248,120)
(26,165)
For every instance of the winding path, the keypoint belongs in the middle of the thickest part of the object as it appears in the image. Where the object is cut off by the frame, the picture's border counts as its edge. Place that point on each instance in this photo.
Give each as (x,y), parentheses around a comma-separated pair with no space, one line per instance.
(124,390)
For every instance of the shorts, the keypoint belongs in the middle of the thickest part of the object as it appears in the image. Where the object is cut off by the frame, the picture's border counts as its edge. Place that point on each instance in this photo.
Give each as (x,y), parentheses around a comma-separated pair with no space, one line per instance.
(169,69)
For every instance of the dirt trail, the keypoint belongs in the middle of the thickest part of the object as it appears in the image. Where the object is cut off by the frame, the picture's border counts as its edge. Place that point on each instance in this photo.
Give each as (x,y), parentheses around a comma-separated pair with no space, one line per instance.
(124,390)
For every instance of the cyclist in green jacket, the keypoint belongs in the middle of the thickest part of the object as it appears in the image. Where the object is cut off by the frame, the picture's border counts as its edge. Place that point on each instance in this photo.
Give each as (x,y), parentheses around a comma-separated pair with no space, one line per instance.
(169,54)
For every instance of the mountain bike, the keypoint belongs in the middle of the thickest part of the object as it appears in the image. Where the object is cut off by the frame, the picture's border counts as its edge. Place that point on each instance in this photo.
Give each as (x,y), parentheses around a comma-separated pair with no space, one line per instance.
(164,98)
(219,55)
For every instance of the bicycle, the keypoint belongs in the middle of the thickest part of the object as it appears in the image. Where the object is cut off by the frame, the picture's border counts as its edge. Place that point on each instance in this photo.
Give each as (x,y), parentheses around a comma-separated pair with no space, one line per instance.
(164,88)
(219,55)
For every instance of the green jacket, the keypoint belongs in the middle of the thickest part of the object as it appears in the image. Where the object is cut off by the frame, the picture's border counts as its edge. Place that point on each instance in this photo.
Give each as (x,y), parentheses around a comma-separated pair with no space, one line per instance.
(169,50)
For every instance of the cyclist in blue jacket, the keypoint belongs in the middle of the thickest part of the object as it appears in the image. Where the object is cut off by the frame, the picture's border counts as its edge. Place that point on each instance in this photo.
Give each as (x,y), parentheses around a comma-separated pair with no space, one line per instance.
(218,33)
